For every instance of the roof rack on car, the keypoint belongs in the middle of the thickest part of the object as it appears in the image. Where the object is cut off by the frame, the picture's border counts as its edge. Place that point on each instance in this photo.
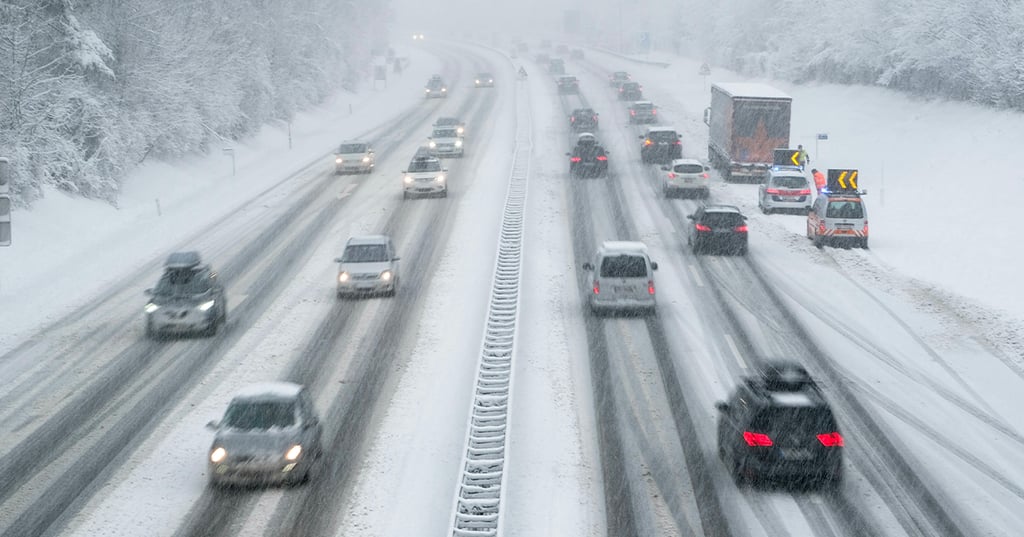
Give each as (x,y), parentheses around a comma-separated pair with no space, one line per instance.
(183,260)
(784,376)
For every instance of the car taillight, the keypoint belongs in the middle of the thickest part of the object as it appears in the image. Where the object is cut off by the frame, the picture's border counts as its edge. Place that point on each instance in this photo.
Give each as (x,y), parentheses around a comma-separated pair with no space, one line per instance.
(678,142)
(597,287)
(756,439)
(740,228)
(572,119)
(654,112)
(648,142)
(705,175)
(602,158)
(671,175)
(632,112)
(702,227)
(595,118)
(772,191)
(831,439)
(865,228)
(575,159)
(821,228)
(650,287)
(805,192)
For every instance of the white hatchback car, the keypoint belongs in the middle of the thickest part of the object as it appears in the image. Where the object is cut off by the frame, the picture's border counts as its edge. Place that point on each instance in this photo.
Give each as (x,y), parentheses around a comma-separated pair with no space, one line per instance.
(354,157)
(424,177)
(446,142)
(623,278)
(686,175)
(368,266)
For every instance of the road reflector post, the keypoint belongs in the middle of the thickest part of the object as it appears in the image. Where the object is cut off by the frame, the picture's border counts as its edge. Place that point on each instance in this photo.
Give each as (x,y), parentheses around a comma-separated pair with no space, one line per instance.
(5,202)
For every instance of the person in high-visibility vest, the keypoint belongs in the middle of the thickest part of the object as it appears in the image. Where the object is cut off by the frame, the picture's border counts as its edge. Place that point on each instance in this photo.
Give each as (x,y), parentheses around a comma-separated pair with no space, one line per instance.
(819,179)
(802,157)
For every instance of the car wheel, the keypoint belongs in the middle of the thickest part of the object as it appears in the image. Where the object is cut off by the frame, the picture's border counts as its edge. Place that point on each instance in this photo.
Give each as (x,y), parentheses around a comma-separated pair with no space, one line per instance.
(864,243)
(151,331)
(211,329)
(818,243)
(742,250)
(394,288)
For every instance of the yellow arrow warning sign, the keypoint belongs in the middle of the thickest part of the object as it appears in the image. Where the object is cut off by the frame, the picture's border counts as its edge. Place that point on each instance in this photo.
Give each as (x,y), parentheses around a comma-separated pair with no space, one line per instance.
(842,180)
(794,158)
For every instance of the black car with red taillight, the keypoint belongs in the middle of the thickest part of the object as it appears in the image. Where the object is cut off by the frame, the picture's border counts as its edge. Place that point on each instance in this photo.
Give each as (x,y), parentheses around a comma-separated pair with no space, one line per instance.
(631,91)
(717,228)
(583,119)
(661,145)
(588,158)
(777,426)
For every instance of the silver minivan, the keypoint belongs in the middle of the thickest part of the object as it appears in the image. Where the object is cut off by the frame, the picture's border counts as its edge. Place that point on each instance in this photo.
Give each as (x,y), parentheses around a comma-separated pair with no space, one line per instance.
(623,278)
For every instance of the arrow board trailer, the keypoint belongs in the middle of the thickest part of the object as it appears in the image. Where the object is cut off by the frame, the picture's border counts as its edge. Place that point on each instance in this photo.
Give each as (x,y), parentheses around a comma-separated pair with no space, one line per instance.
(746,122)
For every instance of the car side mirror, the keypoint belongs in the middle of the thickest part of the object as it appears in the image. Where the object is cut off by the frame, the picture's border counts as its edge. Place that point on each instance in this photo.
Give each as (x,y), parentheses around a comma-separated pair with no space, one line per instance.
(337,260)
(654,266)
(444,169)
(689,216)
(664,168)
(311,422)
(641,137)
(149,291)
(707,168)
(403,171)
(707,116)
(396,258)
(213,425)
(568,154)
(588,266)
(722,406)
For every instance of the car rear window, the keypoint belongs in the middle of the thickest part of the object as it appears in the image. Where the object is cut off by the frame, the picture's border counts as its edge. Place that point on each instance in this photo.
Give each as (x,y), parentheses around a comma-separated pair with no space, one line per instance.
(260,415)
(790,182)
(844,209)
(688,168)
(365,253)
(182,282)
(781,419)
(352,148)
(663,136)
(624,266)
(720,220)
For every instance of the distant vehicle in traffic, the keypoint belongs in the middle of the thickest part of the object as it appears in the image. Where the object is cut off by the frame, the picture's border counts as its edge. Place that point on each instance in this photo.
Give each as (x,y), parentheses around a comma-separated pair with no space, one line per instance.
(631,91)
(368,266)
(643,112)
(448,121)
(584,119)
(187,298)
(746,122)
(661,145)
(568,84)
(717,228)
(686,176)
(354,157)
(484,80)
(623,278)
(777,425)
(576,54)
(617,78)
(270,433)
(785,188)
(556,66)
(424,177)
(447,142)
(436,88)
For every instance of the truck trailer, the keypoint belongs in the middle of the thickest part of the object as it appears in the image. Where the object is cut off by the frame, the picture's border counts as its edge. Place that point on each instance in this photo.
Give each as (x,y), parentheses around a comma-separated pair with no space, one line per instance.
(746,123)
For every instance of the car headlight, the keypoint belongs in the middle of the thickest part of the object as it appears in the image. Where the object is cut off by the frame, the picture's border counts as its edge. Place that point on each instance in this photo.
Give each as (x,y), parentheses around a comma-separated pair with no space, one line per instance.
(458,143)
(408,179)
(343,277)
(218,455)
(444,90)
(433,145)
(426,90)
(366,159)
(386,275)
(338,160)
(477,81)
(460,130)
(151,307)
(293,453)
(440,178)
(207,305)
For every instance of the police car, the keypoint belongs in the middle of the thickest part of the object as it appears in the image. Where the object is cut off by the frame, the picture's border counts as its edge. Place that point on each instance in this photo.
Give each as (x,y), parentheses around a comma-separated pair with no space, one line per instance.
(839,216)
(786,188)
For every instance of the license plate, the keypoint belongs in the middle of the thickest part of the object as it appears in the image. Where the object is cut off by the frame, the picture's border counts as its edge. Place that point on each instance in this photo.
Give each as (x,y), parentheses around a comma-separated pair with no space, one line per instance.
(688,180)
(844,232)
(622,288)
(796,454)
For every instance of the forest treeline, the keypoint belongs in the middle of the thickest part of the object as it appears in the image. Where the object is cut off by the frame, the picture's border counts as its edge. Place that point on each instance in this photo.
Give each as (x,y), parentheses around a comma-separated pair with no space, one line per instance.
(89,89)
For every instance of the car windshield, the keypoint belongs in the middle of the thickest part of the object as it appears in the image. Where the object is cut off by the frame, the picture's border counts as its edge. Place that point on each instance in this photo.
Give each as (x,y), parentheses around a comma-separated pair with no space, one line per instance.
(630,86)
(844,209)
(445,133)
(435,84)
(484,75)
(425,165)
(688,168)
(446,121)
(722,220)
(259,415)
(365,253)
(182,282)
(800,420)
(352,148)
(663,136)
(624,266)
(643,106)
(790,181)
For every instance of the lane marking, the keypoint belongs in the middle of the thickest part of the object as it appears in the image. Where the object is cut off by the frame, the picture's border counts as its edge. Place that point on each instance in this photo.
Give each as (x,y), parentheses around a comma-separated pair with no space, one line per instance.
(735,352)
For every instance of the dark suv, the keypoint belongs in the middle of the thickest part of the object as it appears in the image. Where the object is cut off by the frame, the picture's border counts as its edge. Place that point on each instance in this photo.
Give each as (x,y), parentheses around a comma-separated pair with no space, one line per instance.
(777,425)
(661,146)
(721,228)
(187,298)
(588,158)
(583,119)
(631,91)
